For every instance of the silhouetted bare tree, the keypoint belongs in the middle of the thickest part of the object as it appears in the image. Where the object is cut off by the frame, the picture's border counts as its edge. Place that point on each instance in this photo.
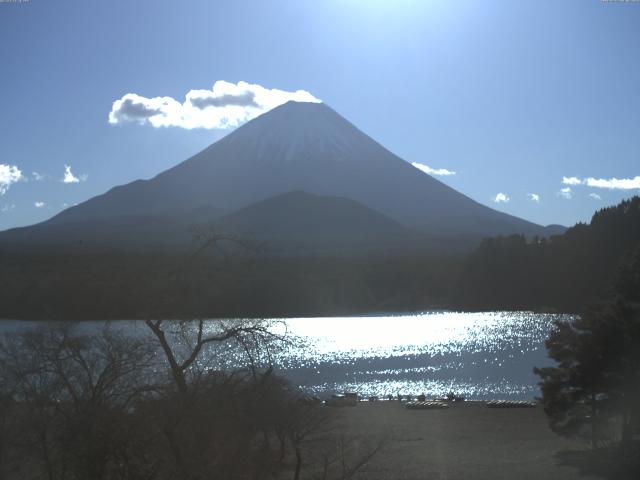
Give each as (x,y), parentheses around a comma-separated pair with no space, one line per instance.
(68,396)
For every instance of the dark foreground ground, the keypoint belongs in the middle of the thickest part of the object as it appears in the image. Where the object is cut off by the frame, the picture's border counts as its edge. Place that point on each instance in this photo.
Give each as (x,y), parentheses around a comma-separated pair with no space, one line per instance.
(470,441)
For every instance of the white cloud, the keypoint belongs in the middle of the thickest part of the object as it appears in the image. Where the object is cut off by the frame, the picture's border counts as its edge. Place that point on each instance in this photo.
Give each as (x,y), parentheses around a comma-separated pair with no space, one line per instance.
(614,183)
(8,174)
(432,171)
(226,105)
(69,177)
(571,181)
(595,196)
(38,204)
(501,198)
(534,197)
(38,177)
(566,193)
(611,183)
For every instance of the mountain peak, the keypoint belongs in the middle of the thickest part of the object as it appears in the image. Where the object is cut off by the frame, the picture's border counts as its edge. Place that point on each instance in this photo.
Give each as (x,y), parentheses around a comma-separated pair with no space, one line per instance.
(293,112)
(295,105)
(295,131)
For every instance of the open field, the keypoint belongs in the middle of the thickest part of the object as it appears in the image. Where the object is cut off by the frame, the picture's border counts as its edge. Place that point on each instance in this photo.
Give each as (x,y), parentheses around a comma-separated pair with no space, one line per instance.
(466,441)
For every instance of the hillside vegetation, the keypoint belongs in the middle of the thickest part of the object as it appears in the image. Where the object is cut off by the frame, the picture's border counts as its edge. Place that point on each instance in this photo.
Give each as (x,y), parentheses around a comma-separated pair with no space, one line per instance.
(564,272)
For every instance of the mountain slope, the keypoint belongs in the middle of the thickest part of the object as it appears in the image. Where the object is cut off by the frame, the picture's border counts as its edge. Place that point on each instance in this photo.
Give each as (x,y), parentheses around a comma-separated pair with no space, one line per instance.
(302,147)
(291,223)
(129,232)
(302,222)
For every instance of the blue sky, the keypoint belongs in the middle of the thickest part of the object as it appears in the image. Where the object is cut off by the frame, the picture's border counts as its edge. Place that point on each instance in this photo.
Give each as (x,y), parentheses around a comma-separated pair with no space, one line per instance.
(511,96)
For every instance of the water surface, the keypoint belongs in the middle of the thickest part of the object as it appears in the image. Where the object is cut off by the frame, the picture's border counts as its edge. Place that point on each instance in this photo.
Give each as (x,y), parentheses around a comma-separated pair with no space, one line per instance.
(480,355)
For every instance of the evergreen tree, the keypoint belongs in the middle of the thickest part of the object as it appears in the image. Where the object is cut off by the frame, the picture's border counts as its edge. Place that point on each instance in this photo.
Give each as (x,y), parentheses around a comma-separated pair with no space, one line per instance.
(597,376)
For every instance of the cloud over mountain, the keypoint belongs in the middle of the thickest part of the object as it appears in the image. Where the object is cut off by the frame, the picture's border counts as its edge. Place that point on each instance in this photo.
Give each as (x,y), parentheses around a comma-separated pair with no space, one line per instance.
(432,171)
(8,174)
(226,105)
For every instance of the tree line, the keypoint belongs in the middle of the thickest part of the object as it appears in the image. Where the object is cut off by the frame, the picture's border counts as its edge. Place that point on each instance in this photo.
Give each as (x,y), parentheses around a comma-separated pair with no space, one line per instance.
(48,286)
(561,273)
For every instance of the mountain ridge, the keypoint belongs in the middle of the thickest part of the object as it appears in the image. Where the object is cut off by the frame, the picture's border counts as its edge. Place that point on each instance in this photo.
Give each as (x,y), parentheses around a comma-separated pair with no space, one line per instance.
(301,147)
(292,222)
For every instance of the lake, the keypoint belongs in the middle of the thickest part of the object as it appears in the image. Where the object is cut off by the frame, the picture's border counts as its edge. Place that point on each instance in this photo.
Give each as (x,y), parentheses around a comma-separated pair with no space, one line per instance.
(479,355)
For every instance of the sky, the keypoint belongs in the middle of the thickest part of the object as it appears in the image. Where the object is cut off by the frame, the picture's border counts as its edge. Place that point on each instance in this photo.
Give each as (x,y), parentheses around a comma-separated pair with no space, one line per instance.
(530,107)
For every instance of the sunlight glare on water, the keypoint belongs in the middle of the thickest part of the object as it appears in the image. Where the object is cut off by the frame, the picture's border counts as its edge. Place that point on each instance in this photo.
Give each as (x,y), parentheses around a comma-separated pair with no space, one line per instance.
(434,332)
(482,355)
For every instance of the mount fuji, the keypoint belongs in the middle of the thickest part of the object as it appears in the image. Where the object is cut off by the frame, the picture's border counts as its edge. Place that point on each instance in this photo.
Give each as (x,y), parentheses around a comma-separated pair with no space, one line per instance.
(305,148)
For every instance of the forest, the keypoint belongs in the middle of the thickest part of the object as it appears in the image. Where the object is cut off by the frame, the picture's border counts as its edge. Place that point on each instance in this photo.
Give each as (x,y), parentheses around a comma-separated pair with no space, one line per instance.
(562,273)
(109,286)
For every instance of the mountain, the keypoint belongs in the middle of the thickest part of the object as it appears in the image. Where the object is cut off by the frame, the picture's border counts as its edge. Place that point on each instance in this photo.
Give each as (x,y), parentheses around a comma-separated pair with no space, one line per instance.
(303,222)
(297,147)
(293,222)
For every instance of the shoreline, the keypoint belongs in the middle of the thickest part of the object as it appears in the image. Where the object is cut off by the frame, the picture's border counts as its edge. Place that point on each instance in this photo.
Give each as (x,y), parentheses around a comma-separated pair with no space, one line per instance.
(468,440)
